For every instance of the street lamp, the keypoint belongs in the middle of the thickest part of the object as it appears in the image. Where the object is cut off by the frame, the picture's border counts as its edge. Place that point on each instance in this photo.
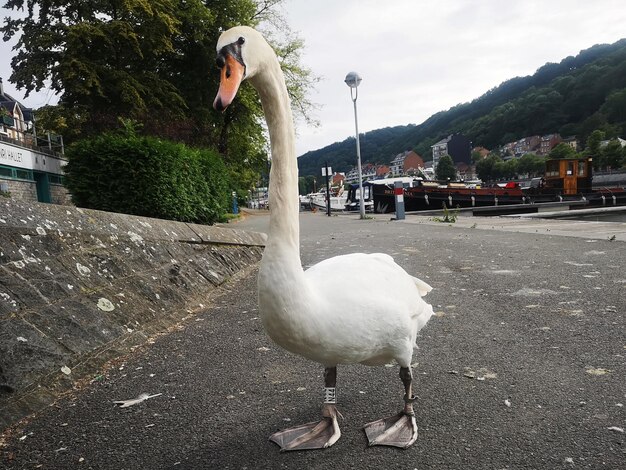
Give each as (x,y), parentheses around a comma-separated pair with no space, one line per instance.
(353,80)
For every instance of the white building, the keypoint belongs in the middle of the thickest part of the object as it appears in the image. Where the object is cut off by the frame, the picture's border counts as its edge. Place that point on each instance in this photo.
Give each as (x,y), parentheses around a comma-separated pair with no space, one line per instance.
(28,171)
(621,141)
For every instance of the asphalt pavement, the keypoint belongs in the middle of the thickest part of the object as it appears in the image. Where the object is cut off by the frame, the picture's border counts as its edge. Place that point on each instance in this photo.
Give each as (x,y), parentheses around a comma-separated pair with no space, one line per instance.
(522,367)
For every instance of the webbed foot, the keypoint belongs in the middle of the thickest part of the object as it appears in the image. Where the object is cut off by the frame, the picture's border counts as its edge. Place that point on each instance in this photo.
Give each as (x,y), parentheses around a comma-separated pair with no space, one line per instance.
(399,431)
(315,435)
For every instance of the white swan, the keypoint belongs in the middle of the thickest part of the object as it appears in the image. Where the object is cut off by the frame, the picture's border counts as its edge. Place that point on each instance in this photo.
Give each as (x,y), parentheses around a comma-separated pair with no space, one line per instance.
(357,308)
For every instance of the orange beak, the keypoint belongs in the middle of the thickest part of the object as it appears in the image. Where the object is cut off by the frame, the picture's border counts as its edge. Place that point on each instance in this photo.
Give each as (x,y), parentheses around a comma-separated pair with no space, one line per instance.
(230,78)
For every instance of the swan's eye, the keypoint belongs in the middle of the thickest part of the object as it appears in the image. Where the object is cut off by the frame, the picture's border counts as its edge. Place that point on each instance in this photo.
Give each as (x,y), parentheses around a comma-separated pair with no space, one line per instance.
(220,61)
(241,40)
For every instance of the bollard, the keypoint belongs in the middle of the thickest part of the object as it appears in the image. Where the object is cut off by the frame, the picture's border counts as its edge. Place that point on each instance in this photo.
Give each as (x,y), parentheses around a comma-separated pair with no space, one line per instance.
(398,191)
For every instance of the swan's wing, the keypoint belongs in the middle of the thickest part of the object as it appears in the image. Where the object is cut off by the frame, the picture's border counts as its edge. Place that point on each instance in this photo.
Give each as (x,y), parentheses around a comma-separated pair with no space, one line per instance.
(372,272)
(422,287)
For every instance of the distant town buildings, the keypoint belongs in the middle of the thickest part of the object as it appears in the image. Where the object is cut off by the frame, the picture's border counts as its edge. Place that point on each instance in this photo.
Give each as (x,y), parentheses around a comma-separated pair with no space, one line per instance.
(539,145)
(405,163)
(458,147)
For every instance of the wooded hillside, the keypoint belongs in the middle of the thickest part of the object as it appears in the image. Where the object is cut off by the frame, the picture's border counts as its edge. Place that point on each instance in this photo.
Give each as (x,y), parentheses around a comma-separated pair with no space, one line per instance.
(574,97)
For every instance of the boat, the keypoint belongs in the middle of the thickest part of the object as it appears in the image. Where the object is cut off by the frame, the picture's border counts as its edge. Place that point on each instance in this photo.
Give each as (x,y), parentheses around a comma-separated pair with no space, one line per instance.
(564,180)
(371,204)
(317,201)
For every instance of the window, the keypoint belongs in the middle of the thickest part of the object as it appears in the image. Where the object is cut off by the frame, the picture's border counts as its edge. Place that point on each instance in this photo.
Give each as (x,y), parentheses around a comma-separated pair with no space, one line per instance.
(552,168)
(55,179)
(581,168)
(6,172)
(24,174)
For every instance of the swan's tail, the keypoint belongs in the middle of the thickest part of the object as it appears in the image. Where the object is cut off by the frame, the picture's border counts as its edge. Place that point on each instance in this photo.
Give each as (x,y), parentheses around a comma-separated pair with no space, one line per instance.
(425,309)
(422,287)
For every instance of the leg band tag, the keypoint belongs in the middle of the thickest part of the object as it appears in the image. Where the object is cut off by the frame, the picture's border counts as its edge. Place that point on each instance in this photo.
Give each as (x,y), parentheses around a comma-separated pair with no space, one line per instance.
(329,395)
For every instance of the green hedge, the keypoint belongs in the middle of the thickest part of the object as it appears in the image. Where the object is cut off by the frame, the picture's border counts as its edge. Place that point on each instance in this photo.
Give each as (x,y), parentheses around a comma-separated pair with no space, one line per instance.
(149,177)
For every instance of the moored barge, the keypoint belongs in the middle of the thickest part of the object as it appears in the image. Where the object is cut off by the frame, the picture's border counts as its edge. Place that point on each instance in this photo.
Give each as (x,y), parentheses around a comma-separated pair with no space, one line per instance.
(566,179)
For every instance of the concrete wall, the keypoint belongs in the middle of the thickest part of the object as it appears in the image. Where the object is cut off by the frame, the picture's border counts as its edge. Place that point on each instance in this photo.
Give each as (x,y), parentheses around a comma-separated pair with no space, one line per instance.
(79,287)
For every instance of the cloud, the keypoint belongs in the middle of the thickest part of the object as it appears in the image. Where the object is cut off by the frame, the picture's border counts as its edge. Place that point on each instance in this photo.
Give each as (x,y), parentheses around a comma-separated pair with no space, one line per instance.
(420,57)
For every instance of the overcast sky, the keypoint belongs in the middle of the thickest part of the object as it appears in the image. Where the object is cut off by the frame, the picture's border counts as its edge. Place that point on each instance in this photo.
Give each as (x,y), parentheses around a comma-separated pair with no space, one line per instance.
(418,57)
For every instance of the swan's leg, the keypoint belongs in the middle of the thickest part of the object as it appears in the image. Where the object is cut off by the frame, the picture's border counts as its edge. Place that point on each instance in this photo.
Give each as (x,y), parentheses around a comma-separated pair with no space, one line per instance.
(399,430)
(316,435)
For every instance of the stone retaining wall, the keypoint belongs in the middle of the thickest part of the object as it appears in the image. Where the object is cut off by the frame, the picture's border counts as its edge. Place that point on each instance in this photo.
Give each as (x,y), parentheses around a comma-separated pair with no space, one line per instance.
(60,195)
(79,287)
(21,190)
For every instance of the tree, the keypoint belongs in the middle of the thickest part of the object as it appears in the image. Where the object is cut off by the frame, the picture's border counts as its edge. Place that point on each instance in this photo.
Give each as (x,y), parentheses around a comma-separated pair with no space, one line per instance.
(445,169)
(531,164)
(511,168)
(476,156)
(615,106)
(593,143)
(152,62)
(611,155)
(562,150)
(104,58)
(593,149)
(485,167)
(302,185)
(499,170)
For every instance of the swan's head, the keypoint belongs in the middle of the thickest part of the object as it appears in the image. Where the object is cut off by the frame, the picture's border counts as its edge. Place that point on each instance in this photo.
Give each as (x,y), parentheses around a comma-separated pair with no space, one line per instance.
(240,54)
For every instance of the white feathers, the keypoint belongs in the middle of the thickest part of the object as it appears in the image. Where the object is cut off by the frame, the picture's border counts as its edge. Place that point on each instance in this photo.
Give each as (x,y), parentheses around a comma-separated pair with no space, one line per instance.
(357,308)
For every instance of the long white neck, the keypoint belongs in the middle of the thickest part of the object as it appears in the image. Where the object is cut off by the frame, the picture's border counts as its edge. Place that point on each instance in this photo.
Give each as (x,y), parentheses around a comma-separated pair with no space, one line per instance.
(286,300)
(284,236)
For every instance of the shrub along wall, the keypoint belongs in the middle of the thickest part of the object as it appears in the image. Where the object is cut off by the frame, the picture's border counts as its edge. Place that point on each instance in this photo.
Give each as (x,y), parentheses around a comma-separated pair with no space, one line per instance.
(147,176)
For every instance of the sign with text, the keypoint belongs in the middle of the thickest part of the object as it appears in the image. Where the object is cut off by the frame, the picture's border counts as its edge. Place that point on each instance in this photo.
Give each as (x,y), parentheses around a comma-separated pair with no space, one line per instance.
(330,171)
(20,157)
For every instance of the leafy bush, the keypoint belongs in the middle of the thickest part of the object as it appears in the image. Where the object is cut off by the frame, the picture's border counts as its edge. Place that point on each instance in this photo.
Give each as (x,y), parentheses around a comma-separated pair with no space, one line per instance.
(149,177)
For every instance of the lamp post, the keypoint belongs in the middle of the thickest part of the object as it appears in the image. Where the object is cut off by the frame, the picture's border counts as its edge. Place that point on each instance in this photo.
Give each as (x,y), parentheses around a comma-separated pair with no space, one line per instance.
(353,80)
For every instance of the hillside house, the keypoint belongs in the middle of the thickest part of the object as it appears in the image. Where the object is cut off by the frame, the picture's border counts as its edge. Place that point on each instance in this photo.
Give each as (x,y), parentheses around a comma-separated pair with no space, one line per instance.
(530,144)
(338,179)
(368,172)
(382,171)
(482,151)
(548,142)
(413,163)
(352,176)
(527,145)
(406,162)
(604,143)
(572,141)
(456,145)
